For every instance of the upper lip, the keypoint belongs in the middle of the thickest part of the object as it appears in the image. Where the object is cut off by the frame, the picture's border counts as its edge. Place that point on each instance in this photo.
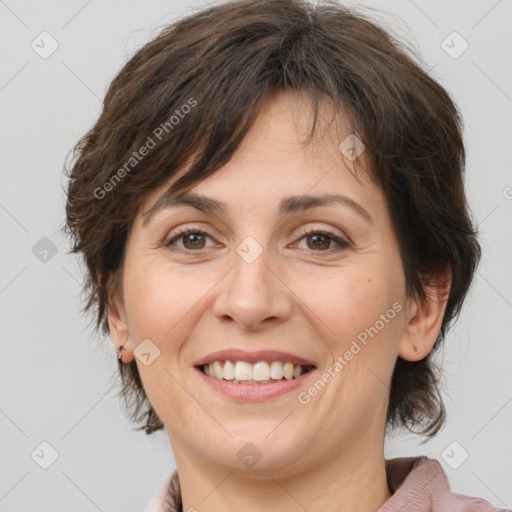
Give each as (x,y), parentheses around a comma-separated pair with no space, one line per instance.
(252,357)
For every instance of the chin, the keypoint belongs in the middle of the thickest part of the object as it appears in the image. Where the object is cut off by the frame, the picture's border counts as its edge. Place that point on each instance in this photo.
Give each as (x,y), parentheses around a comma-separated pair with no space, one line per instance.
(253,452)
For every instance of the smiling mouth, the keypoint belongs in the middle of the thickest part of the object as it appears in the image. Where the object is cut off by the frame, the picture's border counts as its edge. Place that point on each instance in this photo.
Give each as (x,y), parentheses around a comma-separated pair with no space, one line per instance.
(262,372)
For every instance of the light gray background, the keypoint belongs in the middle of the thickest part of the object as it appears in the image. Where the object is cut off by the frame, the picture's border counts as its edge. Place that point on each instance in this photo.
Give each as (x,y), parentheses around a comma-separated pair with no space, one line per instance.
(56,384)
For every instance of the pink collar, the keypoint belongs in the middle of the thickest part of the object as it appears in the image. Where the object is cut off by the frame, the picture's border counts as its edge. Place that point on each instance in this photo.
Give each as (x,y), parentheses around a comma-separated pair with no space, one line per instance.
(419,484)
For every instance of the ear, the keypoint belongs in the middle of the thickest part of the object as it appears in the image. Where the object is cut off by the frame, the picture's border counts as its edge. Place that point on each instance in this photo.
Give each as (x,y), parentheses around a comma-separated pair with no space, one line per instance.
(425,317)
(119,332)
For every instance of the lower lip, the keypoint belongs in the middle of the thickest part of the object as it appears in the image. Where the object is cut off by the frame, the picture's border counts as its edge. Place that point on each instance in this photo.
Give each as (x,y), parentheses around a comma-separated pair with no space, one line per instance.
(254,392)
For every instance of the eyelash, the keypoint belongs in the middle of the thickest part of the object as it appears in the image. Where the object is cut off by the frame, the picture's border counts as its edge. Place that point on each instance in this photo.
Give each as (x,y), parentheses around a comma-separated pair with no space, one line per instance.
(305,232)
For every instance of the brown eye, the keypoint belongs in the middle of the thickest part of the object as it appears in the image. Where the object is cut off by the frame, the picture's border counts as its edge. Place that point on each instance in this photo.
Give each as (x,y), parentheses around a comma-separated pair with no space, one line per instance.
(320,240)
(193,239)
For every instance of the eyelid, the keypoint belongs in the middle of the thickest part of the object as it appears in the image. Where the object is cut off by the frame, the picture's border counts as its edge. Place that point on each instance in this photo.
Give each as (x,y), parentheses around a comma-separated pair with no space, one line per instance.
(331,231)
(342,241)
(179,232)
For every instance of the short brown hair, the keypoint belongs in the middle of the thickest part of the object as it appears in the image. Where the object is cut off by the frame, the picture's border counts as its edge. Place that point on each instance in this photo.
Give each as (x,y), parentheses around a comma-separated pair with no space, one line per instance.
(223,62)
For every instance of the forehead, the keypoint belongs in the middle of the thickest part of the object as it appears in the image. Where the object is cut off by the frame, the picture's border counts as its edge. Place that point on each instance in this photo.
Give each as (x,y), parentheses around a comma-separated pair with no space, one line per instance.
(272,163)
(284,124)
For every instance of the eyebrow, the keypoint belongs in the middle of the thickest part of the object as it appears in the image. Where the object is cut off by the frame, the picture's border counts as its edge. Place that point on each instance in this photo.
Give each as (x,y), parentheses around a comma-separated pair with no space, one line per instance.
(289,204)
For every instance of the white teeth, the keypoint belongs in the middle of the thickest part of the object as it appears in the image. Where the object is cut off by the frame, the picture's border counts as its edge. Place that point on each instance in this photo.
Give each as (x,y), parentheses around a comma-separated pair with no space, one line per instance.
(218,370)
(276,370)
(262,372)
(288,371)
(243,370)
(229,370)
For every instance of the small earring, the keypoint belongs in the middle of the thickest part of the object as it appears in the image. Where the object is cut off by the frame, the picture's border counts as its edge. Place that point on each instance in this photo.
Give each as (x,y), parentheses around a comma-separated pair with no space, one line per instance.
(120,349)
(415,348)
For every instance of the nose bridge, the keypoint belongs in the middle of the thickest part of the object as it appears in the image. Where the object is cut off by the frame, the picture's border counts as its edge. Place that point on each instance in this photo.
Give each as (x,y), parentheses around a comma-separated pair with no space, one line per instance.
(252,293)
(251,265)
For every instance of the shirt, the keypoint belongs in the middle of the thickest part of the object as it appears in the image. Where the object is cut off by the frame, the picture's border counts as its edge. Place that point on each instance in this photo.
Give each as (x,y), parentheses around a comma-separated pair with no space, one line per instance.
(418,484)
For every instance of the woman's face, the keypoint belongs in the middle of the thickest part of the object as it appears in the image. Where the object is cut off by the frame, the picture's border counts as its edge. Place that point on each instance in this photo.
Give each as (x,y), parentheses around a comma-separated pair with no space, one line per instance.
(256,278)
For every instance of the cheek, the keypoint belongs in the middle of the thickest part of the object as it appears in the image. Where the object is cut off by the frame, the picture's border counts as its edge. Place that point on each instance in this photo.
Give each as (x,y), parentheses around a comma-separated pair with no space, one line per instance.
(163,299)
(361,320)
(352,301)
(153,299)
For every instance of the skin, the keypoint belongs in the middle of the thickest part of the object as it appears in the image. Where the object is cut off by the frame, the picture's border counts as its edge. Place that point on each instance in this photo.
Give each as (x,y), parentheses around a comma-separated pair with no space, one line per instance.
(294,297)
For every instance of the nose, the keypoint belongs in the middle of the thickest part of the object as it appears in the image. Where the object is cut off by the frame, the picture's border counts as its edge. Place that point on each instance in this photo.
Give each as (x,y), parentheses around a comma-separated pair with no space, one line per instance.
(253,294)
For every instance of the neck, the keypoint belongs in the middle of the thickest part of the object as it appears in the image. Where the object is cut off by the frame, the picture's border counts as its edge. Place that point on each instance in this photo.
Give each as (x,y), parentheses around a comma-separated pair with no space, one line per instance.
(351,481)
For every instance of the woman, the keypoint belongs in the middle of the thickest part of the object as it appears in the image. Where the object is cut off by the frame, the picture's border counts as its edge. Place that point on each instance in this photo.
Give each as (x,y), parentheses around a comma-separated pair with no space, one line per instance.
(272,213)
